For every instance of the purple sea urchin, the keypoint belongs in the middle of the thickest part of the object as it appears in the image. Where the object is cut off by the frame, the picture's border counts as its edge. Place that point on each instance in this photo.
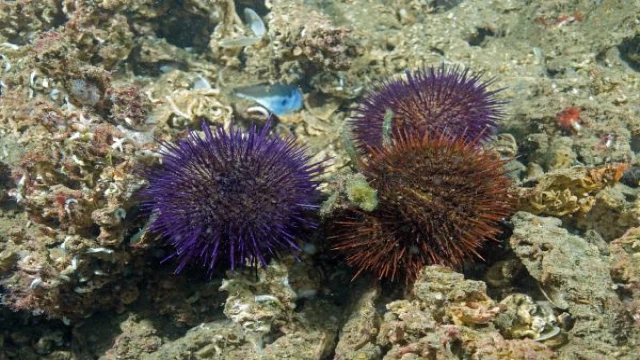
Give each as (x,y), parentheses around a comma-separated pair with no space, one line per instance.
(431,101)
(440,199)
(238,196)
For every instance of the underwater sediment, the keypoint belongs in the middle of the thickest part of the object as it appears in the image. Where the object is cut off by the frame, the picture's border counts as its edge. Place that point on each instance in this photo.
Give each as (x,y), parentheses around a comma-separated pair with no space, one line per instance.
(89,92)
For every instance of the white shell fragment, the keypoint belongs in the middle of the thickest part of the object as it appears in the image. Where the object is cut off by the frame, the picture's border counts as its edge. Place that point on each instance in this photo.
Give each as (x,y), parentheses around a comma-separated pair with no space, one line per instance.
(279,99)
(255,23)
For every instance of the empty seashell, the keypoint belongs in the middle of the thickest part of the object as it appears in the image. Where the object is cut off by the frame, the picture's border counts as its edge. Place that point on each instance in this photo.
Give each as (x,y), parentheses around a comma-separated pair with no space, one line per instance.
(280,99)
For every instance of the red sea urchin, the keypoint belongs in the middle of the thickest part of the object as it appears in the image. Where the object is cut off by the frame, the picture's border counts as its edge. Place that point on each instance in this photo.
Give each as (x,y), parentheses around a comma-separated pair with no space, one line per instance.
(431,101)
(232,196)
(440,199)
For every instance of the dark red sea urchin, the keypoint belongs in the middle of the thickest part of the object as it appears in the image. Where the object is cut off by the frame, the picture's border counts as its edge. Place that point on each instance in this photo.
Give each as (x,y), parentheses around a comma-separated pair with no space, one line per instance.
(440,199)
(231,196)
(430,101)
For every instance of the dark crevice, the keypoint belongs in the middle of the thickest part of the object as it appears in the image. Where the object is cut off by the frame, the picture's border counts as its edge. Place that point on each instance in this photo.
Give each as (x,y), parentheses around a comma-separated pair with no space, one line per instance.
(185,29)
(630,52)
(445,5)
(480,36)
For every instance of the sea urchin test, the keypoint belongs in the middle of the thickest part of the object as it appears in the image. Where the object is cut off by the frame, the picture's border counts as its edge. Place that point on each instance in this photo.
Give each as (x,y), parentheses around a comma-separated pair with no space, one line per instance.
(430,101)
(231,197)
(440,200)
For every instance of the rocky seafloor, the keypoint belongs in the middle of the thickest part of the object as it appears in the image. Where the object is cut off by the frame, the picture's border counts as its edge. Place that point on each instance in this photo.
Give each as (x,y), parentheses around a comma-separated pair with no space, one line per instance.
(88,86)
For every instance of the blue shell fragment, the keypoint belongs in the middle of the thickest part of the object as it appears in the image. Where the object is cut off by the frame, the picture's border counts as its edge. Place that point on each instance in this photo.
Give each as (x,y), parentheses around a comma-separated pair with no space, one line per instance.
(279,99)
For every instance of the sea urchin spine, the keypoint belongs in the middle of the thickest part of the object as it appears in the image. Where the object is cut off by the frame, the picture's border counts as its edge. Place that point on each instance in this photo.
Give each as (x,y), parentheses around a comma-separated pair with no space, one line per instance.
(440,199)
(231,196)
